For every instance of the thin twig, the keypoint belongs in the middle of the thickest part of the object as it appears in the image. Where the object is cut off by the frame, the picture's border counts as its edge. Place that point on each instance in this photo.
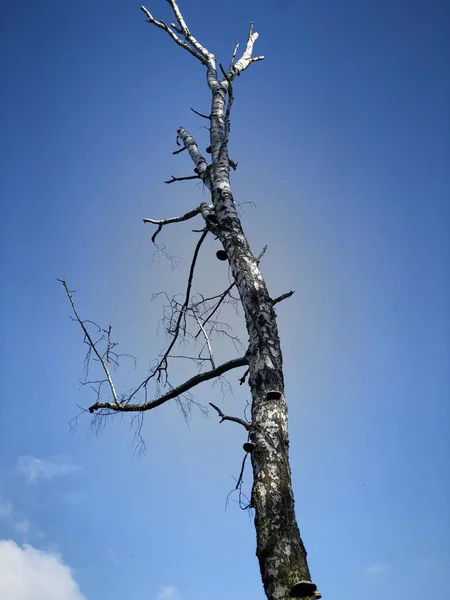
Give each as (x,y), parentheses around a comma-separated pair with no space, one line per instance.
(241,474)
(201,114)
(162,365)
(216,308)
(92,345)
(207,340)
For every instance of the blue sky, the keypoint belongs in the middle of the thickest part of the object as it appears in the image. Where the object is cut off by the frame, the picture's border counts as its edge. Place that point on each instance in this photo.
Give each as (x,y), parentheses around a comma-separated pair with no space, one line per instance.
(341,135)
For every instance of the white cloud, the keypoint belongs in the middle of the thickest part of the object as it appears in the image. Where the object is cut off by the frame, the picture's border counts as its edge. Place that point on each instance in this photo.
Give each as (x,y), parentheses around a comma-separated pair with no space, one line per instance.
(27,573)
(376,569)
(34,469)
(14,520)
(168,592)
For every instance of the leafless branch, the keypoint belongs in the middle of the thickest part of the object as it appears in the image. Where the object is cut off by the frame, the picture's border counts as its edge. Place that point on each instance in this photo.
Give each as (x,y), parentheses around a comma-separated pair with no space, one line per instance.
(261,254)
(191,44)
(216,308)
(233,56)
(174,392)
(244,377)
(241,474)
(162,222)
(162,365)
(182,178)
(201,114)
(207,340)
(246,59)
(179,151)
(282,297)
(238,487)
(197,158)
(93,346)
(224,417)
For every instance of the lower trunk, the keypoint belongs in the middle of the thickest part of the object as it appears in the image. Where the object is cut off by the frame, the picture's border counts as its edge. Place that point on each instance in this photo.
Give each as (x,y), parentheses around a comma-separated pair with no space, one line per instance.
(280,550)
(279,547)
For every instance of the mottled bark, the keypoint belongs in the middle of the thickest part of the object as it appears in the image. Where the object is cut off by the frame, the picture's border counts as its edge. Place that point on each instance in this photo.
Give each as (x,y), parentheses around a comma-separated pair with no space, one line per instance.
(280,550)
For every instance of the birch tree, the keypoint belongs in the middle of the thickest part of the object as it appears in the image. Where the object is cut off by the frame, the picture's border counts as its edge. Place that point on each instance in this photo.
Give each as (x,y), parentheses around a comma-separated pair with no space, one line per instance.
(279,547)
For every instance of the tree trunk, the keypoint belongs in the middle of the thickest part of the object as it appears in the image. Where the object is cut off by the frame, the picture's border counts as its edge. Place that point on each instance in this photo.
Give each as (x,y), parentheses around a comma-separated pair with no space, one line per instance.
(280,550)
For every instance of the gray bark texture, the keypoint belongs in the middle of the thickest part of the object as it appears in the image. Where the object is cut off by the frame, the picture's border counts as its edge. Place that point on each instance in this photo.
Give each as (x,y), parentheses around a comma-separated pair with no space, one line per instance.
(279,547)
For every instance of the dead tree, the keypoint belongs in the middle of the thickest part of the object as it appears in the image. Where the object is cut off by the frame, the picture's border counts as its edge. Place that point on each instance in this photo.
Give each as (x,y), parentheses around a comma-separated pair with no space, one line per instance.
(279,547)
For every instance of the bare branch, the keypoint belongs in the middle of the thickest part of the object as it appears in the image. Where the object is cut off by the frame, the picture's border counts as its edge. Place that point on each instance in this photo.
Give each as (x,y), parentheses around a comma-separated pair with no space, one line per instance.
(198,160)
(193,50)
(282,297)
(207,340)
(216,308)
(261,254)
(201,114)
(182,178)
(187,34)
(174,392)
(224,417)
(246,59)
(244,377)
(162,222)
(233,56)
(162,365)
(241,474)
(179,151)
(92,345)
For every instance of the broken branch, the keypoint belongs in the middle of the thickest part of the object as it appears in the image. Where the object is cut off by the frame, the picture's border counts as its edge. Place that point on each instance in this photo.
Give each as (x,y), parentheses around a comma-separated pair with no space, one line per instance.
(282,297)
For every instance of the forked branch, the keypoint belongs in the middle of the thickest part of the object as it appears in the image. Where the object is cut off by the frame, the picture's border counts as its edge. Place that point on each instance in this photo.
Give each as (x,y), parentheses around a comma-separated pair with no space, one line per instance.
(224,417)
(191,44)
(162,222)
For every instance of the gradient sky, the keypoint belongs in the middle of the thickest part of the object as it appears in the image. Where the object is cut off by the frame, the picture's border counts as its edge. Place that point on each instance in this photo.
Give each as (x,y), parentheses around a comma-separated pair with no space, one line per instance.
(342,139)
